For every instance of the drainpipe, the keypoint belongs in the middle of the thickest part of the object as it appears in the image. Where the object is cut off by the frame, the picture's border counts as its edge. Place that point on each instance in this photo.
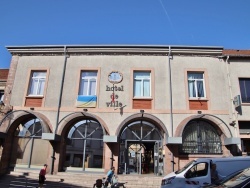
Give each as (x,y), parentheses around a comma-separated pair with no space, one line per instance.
(58,108)
(170,100)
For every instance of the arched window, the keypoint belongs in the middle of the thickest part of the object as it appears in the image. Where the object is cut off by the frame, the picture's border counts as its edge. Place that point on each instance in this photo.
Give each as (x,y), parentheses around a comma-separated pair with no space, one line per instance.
(28,147)
(140,131)
(200,137)
(85,149)
(138,142)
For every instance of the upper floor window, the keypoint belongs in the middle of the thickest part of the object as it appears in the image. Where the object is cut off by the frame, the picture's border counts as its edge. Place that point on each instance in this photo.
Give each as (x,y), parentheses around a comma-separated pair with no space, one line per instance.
(142,86)
(37,83)
(1,95)
(196,85)
(245,89)
(88,83)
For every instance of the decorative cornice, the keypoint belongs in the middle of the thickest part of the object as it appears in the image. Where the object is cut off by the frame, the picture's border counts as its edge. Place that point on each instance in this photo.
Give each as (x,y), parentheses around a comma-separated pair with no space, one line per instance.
(115,50)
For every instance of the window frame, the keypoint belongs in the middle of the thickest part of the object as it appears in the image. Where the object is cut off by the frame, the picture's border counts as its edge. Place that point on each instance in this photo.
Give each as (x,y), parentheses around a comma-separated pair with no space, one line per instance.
(142,84)
(1,95)
(197,170)
(198,141)
(245,88)
(31,81)
(196,80)
(81,92)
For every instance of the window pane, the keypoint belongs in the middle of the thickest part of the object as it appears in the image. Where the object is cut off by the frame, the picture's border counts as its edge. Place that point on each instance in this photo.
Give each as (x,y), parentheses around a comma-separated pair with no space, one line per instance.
(39,74)
(146,88)
(200,88)
(89,74)
(245,89)
(81,88)
(242,90)
(92,87)
(84,88)
(191,89)
(1,94)
(31,89)
(41,87)
(140,75)
(195,75)
(34,85)
(137,88)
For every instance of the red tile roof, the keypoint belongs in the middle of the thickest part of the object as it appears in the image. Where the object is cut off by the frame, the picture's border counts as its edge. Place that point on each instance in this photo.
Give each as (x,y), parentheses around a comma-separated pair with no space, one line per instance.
(241,53)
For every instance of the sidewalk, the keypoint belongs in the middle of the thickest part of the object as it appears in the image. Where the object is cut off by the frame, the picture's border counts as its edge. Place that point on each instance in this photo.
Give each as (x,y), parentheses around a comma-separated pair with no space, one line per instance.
(27,178)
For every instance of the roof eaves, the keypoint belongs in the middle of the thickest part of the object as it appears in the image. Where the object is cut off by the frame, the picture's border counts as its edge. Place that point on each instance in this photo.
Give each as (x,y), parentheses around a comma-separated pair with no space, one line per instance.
(56,49)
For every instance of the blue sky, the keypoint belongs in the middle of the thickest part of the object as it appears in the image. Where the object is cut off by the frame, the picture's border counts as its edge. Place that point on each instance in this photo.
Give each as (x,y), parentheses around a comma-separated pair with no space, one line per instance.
(148,22)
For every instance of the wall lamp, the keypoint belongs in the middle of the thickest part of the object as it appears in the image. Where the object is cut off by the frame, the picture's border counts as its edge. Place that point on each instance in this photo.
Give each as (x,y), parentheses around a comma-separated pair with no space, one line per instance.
(233,123)
(85,110)
(32,108)
(142,112)
(199,112)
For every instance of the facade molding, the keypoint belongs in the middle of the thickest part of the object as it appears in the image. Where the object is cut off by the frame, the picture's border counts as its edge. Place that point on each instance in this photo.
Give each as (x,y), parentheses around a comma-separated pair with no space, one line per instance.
(17,116)
(146,117)
(64,122)
(206,117)
(114,49)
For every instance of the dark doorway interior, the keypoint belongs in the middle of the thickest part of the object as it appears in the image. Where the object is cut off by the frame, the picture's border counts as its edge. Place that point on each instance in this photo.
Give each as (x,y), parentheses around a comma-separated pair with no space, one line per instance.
(137,143)
(139,158)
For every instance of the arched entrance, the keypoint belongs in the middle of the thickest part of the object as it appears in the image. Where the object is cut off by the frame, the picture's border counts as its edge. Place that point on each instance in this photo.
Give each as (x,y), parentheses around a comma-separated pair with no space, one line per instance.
(200,137)
(140,141)
(28,148)
(84,148)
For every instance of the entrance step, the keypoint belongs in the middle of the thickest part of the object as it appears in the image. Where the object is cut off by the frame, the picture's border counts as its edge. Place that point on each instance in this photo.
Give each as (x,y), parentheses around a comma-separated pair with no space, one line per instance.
(29,178)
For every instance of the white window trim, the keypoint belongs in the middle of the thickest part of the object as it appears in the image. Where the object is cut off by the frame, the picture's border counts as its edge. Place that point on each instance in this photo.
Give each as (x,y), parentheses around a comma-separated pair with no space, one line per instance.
(196,90)
(89,78)
(243,79)
(39,78)
(142,81)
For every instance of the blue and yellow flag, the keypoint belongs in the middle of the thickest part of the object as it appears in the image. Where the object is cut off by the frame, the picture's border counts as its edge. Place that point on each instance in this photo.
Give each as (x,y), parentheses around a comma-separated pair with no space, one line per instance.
(86,101)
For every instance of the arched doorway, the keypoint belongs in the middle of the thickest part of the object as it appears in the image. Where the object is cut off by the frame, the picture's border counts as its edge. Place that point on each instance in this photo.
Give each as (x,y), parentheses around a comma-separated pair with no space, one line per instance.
(84,149)
(28,148)
(200,137)
(140,141)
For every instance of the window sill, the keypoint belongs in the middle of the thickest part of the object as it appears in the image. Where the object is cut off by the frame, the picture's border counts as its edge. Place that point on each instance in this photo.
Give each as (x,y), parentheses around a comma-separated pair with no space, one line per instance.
(35,96)
(198,99)
(245,104)
(143,98)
